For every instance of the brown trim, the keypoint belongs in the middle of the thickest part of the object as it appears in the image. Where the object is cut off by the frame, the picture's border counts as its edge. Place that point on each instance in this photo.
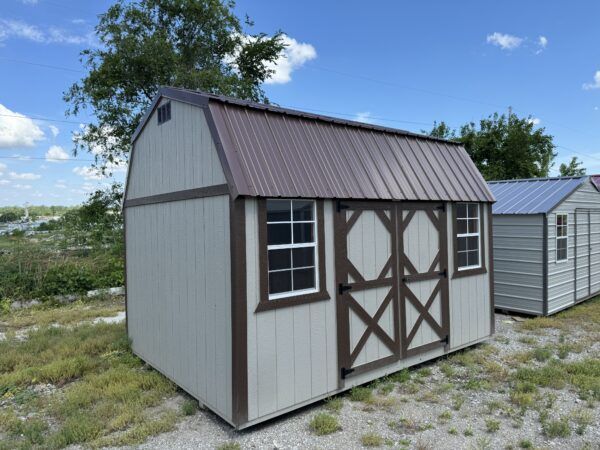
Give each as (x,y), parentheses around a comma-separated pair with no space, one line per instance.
(263,262)
(239,315)
(490,243)
(188,194)
(482,244)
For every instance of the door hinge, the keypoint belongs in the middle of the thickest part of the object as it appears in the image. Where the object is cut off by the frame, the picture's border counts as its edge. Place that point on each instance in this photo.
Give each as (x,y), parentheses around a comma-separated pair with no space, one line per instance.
(443,273)
(345,372)
(343,288)
(442,207)
(341,206)
(446,340)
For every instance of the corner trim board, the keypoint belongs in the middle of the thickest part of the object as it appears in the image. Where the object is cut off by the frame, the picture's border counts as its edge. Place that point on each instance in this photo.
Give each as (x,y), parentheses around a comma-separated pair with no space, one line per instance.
(239,316)
(188,194)
(545,265)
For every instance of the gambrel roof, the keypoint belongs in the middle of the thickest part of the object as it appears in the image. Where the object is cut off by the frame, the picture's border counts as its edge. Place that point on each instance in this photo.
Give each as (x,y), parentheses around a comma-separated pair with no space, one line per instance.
(268,151)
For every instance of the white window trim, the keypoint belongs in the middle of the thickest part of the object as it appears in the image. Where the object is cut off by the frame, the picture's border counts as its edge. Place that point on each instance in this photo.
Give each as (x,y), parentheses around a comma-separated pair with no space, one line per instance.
(315,245)
(467,235)
(557,238)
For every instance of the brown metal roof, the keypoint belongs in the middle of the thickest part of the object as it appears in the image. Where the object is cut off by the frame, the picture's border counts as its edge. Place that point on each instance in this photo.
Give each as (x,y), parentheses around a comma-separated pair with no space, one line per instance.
(269,151)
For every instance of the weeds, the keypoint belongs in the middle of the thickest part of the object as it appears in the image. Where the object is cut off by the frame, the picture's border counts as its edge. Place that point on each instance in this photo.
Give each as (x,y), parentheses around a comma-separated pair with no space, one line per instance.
(582,419)
(361,394)
(334,404)
(189,407)
(229,446)
(557,428)
(492,425)
(400,377)
(525,443)
(371,440)
(323,423)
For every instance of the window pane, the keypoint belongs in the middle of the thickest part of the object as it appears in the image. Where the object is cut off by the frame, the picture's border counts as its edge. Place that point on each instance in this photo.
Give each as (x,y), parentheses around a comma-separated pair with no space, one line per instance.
(304,279)
(462,259)
(473,258)
(473,243)
(280,259)
(462,226)
(304,257)
(473,210)
(303,209)
(461,210)
(303,232)
(473,226)
(462,243)
(561,249)
(279,234)
(280,282)
(278,210)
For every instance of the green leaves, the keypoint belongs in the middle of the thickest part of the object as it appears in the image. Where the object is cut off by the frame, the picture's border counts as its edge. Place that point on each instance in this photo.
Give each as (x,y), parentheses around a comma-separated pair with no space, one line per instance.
(195,44)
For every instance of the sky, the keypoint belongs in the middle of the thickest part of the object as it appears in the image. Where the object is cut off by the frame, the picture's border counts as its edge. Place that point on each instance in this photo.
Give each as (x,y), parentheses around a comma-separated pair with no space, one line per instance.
(395,63)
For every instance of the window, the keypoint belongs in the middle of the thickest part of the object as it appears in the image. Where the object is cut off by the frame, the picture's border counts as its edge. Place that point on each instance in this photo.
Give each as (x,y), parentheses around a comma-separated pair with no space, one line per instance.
(562,238)
(164,113)
(468,236)
(291,247)
(292,261)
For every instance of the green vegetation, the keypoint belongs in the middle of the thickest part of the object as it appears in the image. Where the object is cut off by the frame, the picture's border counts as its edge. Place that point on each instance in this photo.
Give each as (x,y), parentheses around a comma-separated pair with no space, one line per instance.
(468,432)
(525,443)
(361,394)
(10,214)
(83,251)
(492,425)
(453,431)
(401,376)
(371,440)
(557,428)
(334,404)
(189,407)
(230,446)
(324,423)
(105,390)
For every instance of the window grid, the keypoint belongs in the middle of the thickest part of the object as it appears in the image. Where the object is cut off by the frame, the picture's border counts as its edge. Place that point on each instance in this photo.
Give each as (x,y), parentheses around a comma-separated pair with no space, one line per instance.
(469,234)
(293,246)
(562,237)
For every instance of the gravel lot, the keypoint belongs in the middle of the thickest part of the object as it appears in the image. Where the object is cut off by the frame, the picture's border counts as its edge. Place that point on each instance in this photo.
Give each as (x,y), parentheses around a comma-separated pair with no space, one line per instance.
(458,402)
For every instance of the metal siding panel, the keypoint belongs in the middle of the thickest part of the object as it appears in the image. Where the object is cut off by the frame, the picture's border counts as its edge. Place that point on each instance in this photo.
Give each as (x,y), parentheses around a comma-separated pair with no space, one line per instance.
(178,325)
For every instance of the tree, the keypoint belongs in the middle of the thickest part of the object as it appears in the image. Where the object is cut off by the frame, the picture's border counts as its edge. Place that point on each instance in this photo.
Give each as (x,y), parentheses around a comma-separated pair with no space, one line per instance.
(504,146)
(194,44)
(572,169)
(9,217)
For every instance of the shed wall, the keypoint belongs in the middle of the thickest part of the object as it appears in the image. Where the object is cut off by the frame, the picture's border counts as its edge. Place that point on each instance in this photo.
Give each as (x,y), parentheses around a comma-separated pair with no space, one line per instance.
(518,262)
(292,352)
(179,294)
(177,155)
(562,280)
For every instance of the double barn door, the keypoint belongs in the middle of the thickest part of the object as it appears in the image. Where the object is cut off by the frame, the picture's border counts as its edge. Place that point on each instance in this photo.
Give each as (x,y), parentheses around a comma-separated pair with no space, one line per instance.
(391,269)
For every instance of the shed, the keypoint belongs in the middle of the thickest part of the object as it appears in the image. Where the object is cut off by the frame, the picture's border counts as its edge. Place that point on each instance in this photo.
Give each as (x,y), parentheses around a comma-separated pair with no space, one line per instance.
(275,257)
(546,243)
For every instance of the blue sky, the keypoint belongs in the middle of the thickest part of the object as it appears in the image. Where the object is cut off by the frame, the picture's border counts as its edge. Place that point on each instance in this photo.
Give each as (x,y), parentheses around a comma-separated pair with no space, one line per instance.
(400,64)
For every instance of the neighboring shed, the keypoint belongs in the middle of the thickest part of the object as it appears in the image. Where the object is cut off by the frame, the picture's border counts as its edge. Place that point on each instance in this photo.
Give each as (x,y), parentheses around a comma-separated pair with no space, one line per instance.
(275,257)
(546,243)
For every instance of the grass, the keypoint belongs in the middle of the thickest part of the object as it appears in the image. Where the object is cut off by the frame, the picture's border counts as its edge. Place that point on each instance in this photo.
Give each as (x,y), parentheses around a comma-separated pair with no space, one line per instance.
(361,394)
(525,443)
(229,446)
(334,404)
(105,390)
(557,428)
(189,407)
(468,432)
(401,376)
(542,354)
(371,440)
(582,418)
(492,425)
(445,416)
(323,423)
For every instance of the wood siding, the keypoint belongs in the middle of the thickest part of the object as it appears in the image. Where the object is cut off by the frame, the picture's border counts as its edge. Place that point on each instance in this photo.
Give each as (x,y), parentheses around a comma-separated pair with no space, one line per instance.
(292,352)
(177,155)
(179,294)
(561,275)
(518,262)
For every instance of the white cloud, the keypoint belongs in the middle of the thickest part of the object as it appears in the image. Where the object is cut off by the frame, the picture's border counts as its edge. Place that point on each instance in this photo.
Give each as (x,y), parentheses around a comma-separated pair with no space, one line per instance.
(54,130)
(595,84)
(364,117)
(504,41)
(56,154)
(60,185)
(29,2)
(22,30)
(535,121)
(17,130)
(22,186)
(88,173)
(543,41)
(4,182)
(24,176)
(294,56)
(3,167)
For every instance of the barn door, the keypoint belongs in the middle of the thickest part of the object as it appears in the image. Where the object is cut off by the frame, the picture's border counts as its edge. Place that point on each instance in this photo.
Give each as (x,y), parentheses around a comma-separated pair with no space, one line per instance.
(367,298)
(423,277)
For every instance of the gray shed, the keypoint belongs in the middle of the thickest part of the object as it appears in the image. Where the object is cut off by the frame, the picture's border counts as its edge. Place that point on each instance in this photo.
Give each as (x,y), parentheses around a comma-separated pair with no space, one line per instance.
(546,243)
(275,257)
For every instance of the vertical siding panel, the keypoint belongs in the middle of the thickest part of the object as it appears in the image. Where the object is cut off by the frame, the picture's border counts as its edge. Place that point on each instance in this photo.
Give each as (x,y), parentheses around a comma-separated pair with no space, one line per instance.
(284,324)
(302,362)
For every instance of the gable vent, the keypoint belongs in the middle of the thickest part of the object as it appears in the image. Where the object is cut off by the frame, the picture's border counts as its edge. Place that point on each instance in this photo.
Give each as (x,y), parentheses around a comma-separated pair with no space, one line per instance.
(164,113)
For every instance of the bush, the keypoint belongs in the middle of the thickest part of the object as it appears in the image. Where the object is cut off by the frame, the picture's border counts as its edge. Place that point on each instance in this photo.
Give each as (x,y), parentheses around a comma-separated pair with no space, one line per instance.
(324,423)
(371,440)
(360,394)
(557,428)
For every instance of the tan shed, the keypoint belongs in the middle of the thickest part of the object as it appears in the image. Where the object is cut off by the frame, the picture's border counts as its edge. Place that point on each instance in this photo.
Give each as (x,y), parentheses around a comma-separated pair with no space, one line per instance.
(276,257)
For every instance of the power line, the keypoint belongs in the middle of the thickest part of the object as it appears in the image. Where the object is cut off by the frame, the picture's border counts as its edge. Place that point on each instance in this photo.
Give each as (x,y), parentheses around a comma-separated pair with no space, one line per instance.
(48,66)
(36,158)
(43,119)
